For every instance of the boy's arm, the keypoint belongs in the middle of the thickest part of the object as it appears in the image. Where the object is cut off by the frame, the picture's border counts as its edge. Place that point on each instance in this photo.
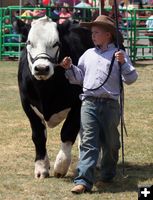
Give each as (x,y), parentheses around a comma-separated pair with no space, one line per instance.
(75,74)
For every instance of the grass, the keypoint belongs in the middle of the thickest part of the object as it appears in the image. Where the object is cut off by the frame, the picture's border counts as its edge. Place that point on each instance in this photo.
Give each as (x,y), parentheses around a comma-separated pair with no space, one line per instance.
(17,150)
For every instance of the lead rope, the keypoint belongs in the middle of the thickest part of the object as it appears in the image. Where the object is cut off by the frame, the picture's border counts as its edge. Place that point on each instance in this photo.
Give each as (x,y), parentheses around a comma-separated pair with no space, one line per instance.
(123,127)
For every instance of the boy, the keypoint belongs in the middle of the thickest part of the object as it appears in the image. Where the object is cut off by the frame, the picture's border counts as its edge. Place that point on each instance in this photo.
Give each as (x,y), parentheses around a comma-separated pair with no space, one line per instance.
(100,114)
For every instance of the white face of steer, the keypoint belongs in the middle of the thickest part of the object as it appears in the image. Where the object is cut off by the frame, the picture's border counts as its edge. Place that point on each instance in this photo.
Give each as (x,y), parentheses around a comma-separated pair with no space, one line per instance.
(43,48)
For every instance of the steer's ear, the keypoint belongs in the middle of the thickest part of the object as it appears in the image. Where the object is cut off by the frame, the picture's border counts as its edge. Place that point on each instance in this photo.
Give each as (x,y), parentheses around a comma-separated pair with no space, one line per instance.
(21,28)
(64,28)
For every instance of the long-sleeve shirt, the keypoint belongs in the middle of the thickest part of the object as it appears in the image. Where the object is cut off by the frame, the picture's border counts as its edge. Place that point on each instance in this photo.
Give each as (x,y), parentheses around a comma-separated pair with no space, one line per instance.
(92,71)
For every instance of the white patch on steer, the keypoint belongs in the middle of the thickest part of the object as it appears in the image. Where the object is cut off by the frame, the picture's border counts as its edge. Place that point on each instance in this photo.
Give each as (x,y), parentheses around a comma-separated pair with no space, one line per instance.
(63,160)
(98,166)
(57,118)
(42,168)
(40,115)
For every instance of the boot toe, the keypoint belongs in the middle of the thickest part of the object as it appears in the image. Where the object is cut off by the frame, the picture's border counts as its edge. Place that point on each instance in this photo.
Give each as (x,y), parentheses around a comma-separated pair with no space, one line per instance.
(78,189)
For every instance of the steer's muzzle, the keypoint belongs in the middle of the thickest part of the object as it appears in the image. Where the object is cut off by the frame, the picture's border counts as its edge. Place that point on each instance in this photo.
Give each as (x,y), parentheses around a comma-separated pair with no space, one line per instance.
(41,70)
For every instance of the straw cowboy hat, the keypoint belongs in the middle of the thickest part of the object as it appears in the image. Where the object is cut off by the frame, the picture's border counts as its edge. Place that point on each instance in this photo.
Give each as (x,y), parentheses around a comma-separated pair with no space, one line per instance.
(103,21)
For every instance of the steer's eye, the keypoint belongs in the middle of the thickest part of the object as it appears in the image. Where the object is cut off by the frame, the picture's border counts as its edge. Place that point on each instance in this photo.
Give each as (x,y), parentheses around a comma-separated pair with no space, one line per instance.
(29,43)
(56,44)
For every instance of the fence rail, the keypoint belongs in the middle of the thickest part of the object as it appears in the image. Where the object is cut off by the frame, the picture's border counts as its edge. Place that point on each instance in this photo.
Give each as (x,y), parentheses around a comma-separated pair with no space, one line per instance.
(133,26)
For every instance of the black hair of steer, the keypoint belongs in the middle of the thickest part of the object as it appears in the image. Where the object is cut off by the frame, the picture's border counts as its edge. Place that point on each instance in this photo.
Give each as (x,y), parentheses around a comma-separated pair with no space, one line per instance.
(45,92)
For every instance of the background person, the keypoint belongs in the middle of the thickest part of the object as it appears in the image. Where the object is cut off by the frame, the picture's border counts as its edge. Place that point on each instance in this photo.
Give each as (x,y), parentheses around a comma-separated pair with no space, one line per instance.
(64,15)
(149,24)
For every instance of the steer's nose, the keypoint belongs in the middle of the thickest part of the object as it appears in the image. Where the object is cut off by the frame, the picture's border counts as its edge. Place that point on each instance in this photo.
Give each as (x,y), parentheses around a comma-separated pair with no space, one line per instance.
(41,69)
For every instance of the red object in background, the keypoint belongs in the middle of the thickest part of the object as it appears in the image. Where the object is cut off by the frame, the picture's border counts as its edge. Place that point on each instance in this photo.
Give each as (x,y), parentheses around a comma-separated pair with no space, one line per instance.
(46,2)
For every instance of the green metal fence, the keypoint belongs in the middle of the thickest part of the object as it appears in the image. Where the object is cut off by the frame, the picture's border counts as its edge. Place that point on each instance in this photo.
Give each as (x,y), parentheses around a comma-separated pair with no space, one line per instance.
(140,40)
(134,32)
(7,46)
(137,37)
(10,43)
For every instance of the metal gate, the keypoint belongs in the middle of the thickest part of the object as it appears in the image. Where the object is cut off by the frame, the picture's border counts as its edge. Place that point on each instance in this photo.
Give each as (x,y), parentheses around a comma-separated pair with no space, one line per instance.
(136,35)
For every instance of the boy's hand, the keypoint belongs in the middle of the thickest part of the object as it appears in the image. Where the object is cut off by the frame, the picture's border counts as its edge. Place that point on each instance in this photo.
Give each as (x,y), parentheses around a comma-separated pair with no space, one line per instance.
(66,63)
(119,55)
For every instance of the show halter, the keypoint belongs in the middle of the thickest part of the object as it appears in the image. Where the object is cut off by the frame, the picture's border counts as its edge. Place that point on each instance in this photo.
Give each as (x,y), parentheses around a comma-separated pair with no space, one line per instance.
(45,55)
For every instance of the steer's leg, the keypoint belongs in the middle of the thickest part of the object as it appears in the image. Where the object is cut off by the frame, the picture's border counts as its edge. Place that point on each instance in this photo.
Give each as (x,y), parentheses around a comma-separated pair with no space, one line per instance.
(69,133)
(39,137)
(63,160)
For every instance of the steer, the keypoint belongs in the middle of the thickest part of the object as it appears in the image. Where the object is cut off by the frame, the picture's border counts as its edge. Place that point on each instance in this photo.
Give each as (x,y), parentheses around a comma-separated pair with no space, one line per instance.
(47,96)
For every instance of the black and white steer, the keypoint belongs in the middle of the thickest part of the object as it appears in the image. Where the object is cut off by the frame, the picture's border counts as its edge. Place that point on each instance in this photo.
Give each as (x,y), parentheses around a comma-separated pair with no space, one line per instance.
(46,94)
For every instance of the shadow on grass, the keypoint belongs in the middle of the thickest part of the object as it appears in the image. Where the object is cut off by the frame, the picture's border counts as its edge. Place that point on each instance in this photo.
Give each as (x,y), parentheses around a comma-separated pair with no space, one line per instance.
(134,174)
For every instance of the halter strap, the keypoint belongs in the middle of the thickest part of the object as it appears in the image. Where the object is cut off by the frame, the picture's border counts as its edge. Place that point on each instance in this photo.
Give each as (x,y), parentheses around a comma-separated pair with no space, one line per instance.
(46,56)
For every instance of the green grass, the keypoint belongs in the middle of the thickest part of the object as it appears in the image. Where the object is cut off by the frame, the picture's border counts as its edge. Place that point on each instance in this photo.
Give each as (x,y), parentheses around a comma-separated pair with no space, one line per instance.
(17,150)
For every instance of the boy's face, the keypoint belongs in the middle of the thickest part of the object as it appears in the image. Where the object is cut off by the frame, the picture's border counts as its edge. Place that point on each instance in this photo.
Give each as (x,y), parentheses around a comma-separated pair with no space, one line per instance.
(100,36)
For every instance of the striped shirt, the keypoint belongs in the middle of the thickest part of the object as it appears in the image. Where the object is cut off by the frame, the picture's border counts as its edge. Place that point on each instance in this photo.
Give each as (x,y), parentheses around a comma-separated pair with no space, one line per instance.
(92,71)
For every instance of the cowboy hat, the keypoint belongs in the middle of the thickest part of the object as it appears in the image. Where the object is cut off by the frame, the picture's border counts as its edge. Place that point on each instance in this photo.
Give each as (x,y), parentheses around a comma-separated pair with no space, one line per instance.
(103,21)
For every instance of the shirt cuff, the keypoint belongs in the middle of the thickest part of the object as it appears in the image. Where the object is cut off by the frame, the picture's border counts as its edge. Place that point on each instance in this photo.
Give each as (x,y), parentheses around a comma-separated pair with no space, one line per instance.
(69,72)
(69,68)
(126,68)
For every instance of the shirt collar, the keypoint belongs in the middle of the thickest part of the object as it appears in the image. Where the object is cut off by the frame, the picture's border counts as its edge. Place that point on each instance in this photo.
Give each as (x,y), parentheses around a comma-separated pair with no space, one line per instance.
(109,47)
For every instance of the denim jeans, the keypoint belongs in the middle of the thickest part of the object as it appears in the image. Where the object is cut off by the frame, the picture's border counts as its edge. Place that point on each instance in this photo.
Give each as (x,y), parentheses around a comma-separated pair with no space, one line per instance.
(99,121)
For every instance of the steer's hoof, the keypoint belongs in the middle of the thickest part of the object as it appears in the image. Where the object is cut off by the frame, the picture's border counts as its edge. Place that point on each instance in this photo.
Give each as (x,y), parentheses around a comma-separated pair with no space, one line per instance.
(41,175)
(59,175)
(42,168)
(63,160)
(61,165)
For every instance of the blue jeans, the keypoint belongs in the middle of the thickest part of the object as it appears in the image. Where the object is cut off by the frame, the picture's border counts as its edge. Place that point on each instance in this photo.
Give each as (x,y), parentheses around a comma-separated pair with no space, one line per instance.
(99,121)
